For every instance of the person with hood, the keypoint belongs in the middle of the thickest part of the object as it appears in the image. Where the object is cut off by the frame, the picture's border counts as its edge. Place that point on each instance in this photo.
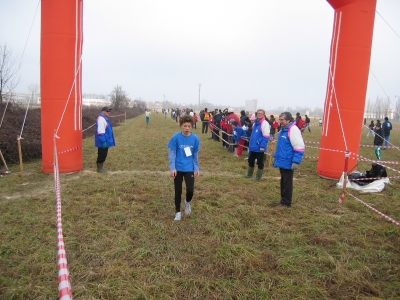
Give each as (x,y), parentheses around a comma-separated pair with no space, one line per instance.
(240,137)
(231,116)
(288,155)
(258,145)
(104,137)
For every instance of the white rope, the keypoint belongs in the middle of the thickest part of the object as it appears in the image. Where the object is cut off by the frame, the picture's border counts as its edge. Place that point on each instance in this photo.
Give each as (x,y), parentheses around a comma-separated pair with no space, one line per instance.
(388,24)
(69,95)
(4,113)
(23,123)
(394,146)
(23,52)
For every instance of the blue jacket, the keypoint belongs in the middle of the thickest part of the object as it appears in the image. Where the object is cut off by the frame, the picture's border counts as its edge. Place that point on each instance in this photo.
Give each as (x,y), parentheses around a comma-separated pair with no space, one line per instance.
(386,127)
(108,136)
(239,134)
(259,136)
(290,148)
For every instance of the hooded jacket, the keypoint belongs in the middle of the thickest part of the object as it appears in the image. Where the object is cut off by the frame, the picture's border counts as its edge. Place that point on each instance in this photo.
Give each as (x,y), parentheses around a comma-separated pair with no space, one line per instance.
(259,136)
(104,132)
(290,148)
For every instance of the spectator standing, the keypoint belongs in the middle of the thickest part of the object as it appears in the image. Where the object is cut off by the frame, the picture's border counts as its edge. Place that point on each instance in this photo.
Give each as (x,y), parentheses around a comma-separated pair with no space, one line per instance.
(195,120)
(300,123)
(288,155)
(387,127)
(231,116)
(274,125)
(258,145)
(204,117)
(211,125)
(217,124)
(104,137)
(378,140)
(240,137)
(224,128)
(371,127)
(243,117)
(307,119)
(183,156)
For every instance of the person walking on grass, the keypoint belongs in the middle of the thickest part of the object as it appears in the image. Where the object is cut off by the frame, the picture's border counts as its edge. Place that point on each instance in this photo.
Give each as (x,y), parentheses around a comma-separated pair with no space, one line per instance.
(148,113)
(258,145)
(104,138)
(288,155)
(183,156)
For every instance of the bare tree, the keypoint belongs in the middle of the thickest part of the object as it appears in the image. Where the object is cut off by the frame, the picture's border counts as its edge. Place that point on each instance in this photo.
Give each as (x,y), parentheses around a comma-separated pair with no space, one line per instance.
(33,89)
(119,98)
(8,72)
(385,107)
(397,110)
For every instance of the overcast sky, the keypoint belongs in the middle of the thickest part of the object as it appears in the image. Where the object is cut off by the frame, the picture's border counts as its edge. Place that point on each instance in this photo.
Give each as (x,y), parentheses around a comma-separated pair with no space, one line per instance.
(270,50)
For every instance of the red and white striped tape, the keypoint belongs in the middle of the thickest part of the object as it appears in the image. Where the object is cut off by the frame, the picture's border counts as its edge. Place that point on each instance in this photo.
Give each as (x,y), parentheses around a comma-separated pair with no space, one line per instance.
(64,282)
(341,198)
(70,150)
(375,210)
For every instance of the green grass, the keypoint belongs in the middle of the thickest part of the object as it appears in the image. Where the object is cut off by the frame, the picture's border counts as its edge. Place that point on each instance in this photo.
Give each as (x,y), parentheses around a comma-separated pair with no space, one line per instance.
(122,242)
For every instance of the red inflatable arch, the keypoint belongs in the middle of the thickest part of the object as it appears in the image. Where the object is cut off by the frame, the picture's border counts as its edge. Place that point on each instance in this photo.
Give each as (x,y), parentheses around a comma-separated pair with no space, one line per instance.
(60,84)
(61,49)
(347,84)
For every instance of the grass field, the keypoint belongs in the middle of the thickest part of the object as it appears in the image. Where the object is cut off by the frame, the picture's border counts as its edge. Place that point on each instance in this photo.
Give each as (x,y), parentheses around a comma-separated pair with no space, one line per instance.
(122,242)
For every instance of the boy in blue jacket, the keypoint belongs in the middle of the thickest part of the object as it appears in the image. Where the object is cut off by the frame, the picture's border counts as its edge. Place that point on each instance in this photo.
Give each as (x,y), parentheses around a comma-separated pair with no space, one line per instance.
(240,137)
(183,156)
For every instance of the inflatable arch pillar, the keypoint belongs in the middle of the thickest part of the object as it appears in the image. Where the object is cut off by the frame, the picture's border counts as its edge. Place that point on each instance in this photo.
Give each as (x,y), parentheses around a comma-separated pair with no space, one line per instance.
(61,89)
(61,84)
(347,85)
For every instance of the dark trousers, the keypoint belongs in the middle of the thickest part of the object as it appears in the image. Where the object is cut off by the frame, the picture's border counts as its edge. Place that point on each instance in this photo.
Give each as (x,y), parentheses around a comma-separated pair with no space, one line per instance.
(216,134)
(224,139)
(230,143)
(101,155)
(260,159)
(189,181)
(204,127)
(286,186)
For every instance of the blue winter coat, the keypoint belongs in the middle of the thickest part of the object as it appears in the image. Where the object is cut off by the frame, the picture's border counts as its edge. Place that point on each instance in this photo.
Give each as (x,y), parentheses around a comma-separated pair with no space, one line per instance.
(259,136)
(239,134)
(108,136)
(290,148)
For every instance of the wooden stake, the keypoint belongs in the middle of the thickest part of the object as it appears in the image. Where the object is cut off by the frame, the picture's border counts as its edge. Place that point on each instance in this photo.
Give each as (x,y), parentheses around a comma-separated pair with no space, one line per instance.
(4,162)
(20,156)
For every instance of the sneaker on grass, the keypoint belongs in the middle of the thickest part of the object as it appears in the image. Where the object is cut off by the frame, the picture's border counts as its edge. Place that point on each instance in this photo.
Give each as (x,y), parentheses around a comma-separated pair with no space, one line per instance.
(188,208)
(178,216)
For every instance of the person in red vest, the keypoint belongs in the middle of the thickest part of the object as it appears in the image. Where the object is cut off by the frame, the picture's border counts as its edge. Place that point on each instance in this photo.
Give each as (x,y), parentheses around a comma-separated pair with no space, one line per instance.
(300,123)
(231,116)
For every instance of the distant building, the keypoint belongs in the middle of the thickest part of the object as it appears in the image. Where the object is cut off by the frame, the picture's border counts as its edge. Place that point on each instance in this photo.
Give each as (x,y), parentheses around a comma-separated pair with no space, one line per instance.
(22,98)
(87,100)
(251,106)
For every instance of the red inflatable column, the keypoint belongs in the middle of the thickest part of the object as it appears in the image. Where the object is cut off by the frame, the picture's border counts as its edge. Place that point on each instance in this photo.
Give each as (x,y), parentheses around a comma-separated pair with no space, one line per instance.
(60,81)
(347,84)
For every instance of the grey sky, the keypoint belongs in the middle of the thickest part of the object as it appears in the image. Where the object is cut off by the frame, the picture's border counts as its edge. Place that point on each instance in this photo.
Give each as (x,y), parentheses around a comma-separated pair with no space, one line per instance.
(273,51)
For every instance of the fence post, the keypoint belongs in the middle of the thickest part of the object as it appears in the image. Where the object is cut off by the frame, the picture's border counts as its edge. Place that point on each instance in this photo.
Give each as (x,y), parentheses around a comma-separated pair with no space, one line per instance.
(346,164)
(20,155)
